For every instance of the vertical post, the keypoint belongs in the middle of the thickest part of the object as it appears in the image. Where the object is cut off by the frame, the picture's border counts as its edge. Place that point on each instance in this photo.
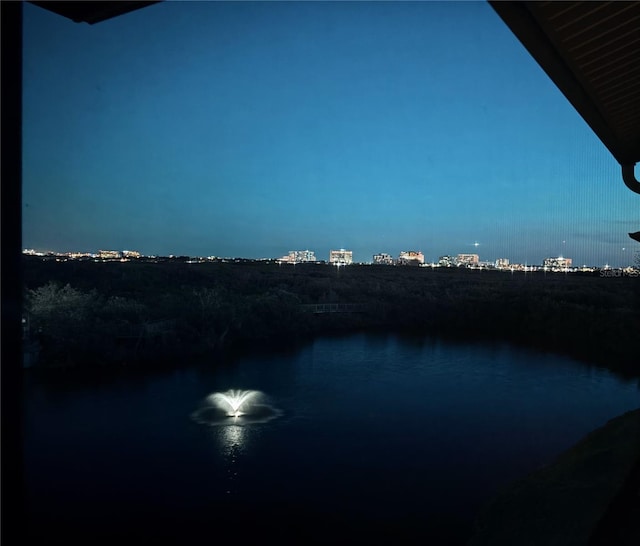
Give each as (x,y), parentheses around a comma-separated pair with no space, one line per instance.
(11,287)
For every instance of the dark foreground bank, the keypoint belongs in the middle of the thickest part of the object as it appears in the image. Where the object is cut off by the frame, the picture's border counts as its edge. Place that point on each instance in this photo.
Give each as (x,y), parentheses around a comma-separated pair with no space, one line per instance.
(590,496)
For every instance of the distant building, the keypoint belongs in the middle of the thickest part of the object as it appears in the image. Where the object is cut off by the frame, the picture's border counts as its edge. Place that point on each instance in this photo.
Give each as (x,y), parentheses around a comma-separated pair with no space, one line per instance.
(502,263)
(411,257)
(383,259)
(32,252)
(467,260)
(446,261)
(299,256)
(557,263)
(341,257)
(109,254)
(131,254)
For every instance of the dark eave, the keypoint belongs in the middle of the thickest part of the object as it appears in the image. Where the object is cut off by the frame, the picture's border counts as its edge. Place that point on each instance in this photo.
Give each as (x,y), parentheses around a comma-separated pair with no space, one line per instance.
(591,51)
(91,12)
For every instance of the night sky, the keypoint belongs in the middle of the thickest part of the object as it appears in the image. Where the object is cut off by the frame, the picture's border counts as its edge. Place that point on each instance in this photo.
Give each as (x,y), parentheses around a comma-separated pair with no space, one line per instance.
(251,129)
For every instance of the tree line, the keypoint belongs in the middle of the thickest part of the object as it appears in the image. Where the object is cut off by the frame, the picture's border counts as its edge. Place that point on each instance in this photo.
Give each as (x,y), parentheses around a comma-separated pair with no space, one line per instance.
(85,313)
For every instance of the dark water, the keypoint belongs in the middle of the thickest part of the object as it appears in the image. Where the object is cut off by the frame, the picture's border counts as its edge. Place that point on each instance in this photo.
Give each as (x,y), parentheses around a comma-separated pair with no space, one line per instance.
(381,439)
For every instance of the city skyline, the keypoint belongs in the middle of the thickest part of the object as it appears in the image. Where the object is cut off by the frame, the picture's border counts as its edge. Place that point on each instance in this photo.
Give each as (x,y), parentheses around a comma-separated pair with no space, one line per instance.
(248,129)
(337,257)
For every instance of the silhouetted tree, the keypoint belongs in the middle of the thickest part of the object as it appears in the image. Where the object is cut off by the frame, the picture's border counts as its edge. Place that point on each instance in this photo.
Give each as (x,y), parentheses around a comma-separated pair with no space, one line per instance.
(64,320)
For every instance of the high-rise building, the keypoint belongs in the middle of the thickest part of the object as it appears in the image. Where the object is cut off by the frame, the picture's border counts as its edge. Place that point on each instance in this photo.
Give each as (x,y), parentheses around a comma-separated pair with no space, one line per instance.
(557,263)
(411,257)
(446,261)
(382,258)
(341,257)
(109,254)
(299,256)
(467,259)
(502,263)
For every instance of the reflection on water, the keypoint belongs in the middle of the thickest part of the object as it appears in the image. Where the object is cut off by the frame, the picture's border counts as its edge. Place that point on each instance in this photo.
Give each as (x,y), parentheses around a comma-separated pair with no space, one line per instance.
(233,415)
(232,439)
(232,442)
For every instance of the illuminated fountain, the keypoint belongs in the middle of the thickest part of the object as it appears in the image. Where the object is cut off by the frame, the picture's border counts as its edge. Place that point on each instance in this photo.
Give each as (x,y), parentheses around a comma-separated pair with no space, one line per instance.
(235,407)
(235,403)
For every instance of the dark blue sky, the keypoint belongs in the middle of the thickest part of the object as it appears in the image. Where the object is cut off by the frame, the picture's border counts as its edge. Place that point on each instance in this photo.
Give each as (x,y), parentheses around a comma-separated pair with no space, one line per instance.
(251,129)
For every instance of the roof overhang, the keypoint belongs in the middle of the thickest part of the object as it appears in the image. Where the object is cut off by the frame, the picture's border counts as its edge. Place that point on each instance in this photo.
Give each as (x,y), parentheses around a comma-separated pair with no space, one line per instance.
(591,51)
(92,12)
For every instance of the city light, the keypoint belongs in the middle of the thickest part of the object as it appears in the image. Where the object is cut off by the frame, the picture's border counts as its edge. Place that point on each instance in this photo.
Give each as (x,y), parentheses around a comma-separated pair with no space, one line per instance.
(343,257)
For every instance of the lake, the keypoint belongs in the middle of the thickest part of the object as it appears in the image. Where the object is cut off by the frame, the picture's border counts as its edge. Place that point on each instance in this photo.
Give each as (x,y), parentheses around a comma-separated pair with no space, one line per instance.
(380,437)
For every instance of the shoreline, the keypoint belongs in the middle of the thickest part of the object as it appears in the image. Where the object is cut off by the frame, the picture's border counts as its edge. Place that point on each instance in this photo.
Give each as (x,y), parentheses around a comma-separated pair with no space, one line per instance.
(137,313)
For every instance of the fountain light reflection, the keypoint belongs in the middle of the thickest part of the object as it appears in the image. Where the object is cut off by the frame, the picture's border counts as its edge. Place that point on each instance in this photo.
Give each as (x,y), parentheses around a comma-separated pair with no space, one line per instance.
(233,438)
